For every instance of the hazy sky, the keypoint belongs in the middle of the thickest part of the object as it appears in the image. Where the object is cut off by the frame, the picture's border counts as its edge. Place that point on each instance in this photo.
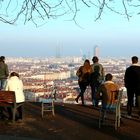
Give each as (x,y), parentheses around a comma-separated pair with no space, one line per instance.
(113,34)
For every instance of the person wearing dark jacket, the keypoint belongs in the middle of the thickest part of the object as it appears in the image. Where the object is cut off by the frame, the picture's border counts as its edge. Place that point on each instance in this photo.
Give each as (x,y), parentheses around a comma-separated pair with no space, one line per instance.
(83,74)
(4,72)
(132,84)
(96,78)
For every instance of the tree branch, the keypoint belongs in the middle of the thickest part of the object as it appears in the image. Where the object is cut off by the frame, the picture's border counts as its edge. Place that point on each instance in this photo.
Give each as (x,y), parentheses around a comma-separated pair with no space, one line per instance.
(38,11)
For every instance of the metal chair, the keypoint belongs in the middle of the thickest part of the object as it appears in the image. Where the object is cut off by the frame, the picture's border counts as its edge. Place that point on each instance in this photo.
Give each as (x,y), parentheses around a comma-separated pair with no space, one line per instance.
(105,113)
(48,104)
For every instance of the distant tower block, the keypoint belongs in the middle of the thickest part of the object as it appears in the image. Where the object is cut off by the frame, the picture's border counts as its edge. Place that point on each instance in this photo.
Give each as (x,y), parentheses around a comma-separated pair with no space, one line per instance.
(58,50)
(96,51)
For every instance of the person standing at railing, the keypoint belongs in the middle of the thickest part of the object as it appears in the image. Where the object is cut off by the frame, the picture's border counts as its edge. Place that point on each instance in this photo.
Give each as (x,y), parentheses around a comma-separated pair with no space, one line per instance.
(132,84)
(4,72)
(83,74)
(14,83)
(96,78)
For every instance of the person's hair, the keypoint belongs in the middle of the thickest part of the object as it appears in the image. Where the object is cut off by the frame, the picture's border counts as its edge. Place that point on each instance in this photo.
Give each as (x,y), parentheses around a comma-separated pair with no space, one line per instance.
(87,64)
(2,58)
(87,61)
(108,77)
(95,59)
(14,74)
(134,59)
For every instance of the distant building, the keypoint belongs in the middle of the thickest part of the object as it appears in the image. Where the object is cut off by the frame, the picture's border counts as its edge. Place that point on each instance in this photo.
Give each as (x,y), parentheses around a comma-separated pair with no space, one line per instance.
(96,51)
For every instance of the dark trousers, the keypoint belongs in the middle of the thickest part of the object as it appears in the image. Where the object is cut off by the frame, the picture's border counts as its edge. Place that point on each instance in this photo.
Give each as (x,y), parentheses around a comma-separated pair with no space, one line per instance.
(19,112)
(2,109)
(83,87)
(94,88)
(138,103)
(2,83)
(130,95)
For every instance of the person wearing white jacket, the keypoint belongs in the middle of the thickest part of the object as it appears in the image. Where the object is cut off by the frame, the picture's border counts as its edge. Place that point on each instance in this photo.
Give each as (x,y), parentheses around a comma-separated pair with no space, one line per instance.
(14,83)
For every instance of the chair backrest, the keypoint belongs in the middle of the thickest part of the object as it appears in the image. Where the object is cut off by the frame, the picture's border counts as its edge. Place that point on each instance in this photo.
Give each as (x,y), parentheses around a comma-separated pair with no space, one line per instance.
(7,96)
(114,102)
(116,110)
(118,103)
(53,93)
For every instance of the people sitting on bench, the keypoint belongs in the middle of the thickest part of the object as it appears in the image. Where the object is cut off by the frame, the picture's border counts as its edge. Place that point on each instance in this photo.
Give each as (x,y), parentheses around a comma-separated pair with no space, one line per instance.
(14,83)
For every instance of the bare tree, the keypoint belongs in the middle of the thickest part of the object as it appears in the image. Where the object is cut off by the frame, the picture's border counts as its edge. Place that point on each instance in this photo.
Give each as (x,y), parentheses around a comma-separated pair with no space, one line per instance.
(11,11)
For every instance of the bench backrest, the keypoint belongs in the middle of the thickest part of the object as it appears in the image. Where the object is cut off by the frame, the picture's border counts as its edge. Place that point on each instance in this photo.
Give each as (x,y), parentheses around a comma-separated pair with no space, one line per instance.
(7,96)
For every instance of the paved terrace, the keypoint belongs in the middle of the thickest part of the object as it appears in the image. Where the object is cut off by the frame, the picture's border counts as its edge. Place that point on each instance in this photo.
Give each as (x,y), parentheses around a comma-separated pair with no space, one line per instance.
(72,122)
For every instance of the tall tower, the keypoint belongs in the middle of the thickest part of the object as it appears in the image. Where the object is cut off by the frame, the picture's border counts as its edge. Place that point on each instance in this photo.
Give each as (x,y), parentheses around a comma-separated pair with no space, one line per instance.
(58,52)
(96,51)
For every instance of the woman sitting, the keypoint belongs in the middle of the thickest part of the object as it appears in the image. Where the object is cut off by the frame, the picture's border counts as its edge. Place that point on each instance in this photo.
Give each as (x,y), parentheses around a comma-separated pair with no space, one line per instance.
(14,83)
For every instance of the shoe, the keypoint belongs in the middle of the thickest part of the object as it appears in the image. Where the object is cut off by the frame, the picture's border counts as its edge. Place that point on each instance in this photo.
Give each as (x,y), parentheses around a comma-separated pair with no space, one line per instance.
(121,122)
(83,104)
(138,115)
(96,105)
(129,116)
(19,120)
(76,99)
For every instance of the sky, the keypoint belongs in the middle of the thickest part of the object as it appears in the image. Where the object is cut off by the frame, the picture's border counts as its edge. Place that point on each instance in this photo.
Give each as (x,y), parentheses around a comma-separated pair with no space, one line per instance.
(114,35)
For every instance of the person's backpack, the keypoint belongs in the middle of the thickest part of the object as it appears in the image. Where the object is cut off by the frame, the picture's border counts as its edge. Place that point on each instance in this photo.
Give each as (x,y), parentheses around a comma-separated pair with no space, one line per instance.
(95,76)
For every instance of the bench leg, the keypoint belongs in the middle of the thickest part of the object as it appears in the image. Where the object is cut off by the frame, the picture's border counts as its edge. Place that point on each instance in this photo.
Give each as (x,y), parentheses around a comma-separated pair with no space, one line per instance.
(14,115)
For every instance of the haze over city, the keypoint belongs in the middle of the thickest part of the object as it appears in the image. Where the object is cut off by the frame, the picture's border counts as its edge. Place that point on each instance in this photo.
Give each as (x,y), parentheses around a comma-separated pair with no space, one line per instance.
(113,34)
(45,43)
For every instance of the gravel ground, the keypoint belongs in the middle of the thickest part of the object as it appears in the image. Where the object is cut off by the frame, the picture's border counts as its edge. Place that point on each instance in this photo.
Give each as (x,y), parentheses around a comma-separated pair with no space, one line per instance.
(71,122)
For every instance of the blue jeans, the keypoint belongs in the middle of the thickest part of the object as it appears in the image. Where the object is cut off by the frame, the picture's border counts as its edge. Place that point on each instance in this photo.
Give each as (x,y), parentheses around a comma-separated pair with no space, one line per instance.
(108,106)
(94,88)
(2,84)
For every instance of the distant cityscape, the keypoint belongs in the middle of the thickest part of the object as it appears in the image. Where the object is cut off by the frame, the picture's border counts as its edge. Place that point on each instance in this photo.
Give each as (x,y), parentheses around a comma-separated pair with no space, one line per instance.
(40,74)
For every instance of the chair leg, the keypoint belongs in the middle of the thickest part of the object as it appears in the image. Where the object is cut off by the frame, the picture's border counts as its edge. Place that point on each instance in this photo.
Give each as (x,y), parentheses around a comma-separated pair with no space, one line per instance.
(100,118)
(53,108)
(14,115)
(116,122)
(47,107)
(42,110)
(53,112)
(102,114)
(118,116)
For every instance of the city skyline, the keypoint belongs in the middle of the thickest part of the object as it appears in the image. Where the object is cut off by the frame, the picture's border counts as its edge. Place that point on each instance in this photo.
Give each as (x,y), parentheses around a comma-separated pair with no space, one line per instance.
(113,34)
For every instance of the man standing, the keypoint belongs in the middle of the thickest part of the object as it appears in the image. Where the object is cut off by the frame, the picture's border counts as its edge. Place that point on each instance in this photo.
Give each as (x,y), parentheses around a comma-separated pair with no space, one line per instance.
(4,72)
(96,78)
(132,84)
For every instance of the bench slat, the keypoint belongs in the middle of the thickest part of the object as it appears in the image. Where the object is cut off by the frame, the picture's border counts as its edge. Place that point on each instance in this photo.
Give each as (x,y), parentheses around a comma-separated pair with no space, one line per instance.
(7,99)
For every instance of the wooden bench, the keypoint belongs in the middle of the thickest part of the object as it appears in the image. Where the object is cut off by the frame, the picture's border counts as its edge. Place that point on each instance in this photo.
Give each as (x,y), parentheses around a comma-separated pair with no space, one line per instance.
(8,99)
